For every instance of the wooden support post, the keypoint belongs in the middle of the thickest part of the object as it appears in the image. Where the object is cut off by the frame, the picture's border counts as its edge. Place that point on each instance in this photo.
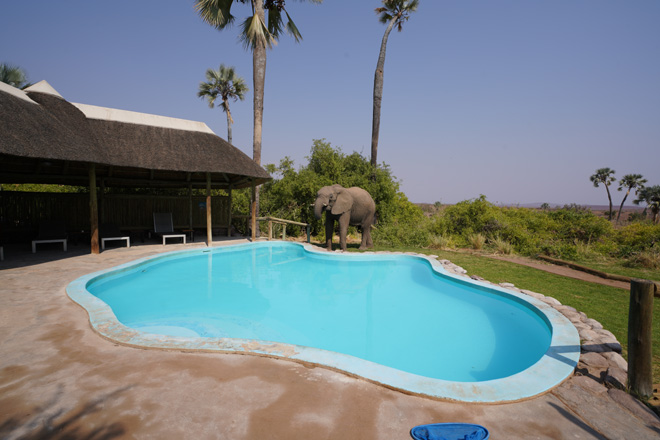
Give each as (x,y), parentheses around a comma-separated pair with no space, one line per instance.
(284,231)
(190,207)
(640,318)
(209,220)
(93,210)
(229,216)
(309,232)
(270,230)
(254,212)
(101,202)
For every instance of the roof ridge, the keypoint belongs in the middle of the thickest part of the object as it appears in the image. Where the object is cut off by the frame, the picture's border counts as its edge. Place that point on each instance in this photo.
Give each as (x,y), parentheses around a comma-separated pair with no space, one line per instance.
(131,117)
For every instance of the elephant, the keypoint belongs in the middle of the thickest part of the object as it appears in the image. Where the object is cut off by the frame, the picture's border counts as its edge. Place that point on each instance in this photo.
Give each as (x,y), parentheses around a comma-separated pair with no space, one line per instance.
(349,206)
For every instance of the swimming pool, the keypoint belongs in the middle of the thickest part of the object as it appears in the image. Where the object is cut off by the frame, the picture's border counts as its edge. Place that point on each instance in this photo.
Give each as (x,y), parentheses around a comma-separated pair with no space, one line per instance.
(395,319)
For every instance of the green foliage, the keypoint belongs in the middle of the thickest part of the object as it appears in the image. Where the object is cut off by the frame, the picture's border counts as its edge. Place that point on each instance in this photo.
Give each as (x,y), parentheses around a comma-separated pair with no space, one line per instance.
(571,233)
(575,223)
(13,75)
(477,241)
(38,187)
(635,238)
(291,194)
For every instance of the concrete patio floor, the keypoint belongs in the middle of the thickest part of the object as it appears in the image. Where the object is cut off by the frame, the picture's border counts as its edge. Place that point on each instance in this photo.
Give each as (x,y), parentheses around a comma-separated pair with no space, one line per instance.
(59,379)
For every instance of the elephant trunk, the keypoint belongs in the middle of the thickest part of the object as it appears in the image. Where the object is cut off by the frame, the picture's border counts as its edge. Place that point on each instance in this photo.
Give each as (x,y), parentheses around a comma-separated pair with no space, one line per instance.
(318,208)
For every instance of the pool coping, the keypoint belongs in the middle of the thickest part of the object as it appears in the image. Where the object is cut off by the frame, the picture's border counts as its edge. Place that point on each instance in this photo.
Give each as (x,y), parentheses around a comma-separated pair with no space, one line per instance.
(557,364)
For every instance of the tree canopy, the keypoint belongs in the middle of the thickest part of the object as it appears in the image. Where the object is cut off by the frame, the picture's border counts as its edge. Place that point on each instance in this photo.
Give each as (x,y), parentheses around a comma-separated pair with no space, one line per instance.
(225,84)
(13,75)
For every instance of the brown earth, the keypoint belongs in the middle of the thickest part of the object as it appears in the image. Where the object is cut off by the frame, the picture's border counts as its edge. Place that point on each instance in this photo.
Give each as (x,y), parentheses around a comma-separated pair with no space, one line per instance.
(561,270)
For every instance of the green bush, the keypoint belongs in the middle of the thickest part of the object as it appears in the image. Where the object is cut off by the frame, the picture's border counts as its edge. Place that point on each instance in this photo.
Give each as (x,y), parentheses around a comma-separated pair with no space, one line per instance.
(291,194)
(637,237)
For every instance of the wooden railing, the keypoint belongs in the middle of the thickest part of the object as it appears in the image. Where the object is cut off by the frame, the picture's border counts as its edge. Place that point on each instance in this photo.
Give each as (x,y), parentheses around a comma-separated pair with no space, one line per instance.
(275,220)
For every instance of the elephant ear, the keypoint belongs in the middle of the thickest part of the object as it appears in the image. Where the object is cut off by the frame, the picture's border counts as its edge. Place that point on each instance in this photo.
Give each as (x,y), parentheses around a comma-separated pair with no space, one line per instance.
(343,203)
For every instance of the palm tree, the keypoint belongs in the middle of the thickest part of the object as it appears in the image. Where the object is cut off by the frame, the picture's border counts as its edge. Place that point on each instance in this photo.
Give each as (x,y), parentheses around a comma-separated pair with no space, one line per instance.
(227,85)
(629,181)
(606,177)
(257,34)
(650,195)
(394,13)
(14,76)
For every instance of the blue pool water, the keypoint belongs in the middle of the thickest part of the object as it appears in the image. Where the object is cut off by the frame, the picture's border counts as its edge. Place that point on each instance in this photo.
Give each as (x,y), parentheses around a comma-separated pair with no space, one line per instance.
(394,310)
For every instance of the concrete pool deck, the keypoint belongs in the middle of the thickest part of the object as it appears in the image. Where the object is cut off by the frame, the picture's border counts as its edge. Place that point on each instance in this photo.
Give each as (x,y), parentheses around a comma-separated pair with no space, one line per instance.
(59,379)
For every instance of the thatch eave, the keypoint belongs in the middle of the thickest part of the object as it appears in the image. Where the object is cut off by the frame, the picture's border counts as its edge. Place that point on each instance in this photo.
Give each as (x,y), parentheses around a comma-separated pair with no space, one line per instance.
(46,139)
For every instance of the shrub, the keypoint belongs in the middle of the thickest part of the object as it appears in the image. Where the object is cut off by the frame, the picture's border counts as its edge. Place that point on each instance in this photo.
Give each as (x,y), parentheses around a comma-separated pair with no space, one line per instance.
(501,246)
(403,233)
(442,242)
(637,237)
(477,241)
(645,259)
(574,222)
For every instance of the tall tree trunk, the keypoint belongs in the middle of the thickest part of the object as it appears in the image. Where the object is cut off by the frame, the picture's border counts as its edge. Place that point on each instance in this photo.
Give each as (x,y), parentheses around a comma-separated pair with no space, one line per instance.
(229,122)
(622,202)
(258,82)
(378,93)
(609,197)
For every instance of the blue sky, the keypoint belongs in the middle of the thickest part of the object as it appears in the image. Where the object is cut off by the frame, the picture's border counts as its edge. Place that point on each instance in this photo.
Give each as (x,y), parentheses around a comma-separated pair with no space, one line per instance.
(518,100)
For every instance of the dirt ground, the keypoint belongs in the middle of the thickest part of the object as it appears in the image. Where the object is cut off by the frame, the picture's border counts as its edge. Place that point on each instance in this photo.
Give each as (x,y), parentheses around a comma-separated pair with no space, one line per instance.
(562,270)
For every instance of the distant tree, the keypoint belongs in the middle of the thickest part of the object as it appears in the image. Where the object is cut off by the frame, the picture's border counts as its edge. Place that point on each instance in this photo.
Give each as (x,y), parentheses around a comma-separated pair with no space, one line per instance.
(226,84)
(606,177)
(651,196)
(14,76)
(394,13)
(545,206)
(630,182)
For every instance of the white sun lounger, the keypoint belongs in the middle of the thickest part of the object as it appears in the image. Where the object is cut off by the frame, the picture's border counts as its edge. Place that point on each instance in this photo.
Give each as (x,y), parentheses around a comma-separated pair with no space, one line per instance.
(164,227)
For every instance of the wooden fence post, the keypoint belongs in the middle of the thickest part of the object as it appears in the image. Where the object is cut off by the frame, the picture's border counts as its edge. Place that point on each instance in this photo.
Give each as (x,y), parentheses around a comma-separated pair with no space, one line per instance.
(640,318)
(93,210)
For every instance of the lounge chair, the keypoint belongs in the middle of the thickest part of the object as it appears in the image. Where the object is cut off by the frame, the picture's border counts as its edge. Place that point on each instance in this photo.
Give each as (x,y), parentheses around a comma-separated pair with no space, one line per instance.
(51,232)
(164,227)
(110,232)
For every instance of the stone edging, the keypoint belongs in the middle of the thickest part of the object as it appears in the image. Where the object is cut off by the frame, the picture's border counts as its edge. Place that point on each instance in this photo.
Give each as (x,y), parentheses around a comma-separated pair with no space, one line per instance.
(600,356)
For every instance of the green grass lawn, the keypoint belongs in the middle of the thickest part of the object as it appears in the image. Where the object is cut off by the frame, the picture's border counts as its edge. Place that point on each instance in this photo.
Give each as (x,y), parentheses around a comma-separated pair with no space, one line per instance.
(608,305)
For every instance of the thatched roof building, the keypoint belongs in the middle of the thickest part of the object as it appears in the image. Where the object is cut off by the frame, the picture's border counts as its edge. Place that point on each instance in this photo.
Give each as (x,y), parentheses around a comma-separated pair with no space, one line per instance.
(46,139)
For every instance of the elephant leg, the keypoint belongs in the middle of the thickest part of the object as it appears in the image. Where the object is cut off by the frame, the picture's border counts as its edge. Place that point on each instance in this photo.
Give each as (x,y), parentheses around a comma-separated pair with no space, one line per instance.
(343,229)
(329,230)
(366,237)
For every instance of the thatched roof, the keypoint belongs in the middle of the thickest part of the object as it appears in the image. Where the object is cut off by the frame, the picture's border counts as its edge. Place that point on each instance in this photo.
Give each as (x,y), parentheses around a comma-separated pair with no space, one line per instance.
(46,139)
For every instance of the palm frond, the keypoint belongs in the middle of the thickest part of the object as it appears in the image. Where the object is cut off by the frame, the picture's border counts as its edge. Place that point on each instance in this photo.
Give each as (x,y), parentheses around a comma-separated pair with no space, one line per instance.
(292,29)
(274,21)
(217,13)
(396,9)
(13,75)
(255,33)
